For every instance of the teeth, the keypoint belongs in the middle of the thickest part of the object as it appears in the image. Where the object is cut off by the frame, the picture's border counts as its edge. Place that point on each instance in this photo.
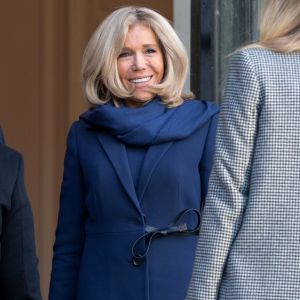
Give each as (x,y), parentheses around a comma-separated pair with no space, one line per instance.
(140,80)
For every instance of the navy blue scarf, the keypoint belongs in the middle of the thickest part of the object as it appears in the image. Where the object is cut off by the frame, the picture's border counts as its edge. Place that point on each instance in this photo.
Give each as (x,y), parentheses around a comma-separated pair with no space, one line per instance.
(152,123)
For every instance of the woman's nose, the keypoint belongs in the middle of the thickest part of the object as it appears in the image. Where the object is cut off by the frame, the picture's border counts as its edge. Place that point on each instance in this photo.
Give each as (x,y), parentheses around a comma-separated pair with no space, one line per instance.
(139,62)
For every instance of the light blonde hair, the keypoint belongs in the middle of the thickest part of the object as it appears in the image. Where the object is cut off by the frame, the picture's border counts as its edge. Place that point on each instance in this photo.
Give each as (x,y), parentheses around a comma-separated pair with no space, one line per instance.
(100,78)
(280,25)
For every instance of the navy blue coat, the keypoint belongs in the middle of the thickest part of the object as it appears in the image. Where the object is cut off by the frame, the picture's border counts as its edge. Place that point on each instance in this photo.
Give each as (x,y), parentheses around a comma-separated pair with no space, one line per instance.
(19,277)
(102,214)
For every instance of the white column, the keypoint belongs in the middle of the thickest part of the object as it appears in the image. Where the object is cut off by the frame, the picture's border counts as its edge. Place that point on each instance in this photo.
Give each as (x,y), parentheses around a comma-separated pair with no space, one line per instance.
(182,25)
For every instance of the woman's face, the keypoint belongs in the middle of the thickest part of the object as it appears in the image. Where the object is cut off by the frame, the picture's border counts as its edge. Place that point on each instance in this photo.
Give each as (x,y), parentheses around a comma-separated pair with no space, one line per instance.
(140,64)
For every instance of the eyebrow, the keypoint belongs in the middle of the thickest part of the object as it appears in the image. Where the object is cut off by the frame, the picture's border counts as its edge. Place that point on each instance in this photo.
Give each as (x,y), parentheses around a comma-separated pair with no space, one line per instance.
(151,45)
(144,46)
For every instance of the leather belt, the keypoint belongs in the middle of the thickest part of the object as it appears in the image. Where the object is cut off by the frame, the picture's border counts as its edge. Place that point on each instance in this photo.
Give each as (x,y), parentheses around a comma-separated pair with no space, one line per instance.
(174,228)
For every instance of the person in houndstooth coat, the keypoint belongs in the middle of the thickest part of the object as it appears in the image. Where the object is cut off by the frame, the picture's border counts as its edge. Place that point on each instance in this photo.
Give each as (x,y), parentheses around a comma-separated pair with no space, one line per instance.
(249,243)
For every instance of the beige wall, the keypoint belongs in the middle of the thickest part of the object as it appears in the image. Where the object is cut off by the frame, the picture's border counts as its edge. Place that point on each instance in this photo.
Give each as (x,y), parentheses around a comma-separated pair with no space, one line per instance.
(40,53)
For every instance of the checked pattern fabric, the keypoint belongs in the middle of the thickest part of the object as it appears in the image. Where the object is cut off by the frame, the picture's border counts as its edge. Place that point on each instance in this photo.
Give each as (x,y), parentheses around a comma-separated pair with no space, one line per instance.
(249,242)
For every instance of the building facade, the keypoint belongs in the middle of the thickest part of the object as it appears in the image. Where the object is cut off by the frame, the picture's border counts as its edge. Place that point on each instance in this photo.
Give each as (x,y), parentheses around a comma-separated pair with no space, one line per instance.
(42,46)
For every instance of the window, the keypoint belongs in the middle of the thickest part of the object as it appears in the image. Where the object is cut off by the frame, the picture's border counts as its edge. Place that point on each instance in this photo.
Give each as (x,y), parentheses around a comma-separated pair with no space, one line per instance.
(217,28)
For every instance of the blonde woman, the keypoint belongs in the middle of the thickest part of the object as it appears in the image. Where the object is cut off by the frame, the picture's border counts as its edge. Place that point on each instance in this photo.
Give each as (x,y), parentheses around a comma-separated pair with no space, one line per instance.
(249,246)
(136,168)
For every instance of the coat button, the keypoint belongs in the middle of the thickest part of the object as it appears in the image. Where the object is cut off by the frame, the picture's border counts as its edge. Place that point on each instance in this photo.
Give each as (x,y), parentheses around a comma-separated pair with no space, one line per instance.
(137,261)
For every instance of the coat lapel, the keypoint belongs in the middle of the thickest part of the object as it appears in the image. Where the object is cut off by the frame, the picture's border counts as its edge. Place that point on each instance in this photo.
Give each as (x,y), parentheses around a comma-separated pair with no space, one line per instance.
(117,155)
(152,158)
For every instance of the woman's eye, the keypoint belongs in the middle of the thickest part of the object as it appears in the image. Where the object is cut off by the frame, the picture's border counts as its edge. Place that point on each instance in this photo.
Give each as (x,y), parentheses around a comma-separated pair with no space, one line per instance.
(150,51)
(124,54)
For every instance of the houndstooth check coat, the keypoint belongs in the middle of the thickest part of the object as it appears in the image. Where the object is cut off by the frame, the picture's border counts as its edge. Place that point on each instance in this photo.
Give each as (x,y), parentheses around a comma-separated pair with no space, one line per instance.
(249,244)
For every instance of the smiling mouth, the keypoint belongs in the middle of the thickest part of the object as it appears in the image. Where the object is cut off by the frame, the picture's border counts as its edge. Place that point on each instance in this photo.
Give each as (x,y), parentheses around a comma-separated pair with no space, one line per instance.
(140,80)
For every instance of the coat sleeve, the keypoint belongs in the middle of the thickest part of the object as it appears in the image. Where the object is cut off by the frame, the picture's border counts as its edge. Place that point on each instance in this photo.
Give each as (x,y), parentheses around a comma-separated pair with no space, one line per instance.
(207,159)
(1,136)
(70,234)
(229,182)
(19,278)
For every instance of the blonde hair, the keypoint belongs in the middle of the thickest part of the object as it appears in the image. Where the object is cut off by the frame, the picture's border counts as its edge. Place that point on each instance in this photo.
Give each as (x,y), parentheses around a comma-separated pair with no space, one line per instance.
(100,78)
(280,25)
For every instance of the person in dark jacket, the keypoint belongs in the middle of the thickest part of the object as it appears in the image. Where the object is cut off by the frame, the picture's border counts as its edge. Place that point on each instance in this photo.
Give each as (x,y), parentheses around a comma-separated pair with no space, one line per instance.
(136,168)
(1,136)
(19,278)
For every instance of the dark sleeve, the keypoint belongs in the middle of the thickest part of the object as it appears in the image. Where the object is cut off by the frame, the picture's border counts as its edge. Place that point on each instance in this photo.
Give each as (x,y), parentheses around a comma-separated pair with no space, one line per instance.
(1,136)
(70,233)
(207,159)
(19,278)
